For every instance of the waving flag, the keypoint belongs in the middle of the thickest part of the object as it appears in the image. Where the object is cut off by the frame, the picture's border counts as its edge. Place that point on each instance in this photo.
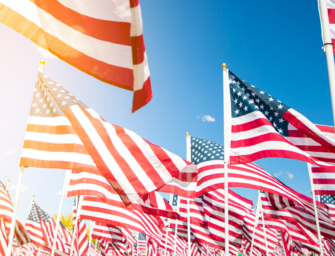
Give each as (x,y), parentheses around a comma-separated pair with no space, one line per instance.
(323,180)
(263,126)
(103,39)
(330,201)
(64,133)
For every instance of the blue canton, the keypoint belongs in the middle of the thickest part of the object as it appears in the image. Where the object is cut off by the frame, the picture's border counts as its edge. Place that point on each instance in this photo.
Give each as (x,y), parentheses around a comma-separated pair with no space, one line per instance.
(141,237)
(327,199)
(246,98)
(205,150)
(36,214)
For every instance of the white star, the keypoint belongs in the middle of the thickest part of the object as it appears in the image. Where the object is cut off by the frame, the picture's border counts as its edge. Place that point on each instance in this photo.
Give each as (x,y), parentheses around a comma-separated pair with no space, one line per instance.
(67,97)
(276,114)
(256,107)
(236,111)
(44,106)
(63,103)
(59,95)
(54,110)
(280,106)
(238,83)
(235,101)
(280,131)
(234,90)
(251,101)
(62,91)
(261,92)
(271,118)
(257,100)
(239,93)
(253,94)
(35,89)
(37,110)
(241,104)
(252,86)
(38,95)
(244,97)
(51,104)
(271,99)
(34,104)
(281,120)
(48,99)
(54,89)
(48,111)
(41,100)
(262,106)
(266,112)
(50,82)
(245,108)
(45,76)
(57,84)
(274,124)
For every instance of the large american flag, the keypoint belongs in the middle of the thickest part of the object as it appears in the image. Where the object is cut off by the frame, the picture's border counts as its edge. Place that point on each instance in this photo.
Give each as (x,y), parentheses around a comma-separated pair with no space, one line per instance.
(263,126)
(103,39)
(208,156)
(64,133)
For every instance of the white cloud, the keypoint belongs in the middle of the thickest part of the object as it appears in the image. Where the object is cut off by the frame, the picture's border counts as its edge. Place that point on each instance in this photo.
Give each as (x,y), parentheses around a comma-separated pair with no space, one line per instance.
(9,152)
(290,175)
(59,192)
(46,54)
(206,118)
(24,188)
(277,174)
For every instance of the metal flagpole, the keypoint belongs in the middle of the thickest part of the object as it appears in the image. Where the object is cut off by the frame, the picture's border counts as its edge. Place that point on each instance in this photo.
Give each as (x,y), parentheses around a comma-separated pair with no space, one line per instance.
(315,208)
(78,204)
(17,196)
(16,205)
(264,231)
(328,48)
(188,158)
(226,131)
(255,225)
(90,238)
(64,191)
(7,185)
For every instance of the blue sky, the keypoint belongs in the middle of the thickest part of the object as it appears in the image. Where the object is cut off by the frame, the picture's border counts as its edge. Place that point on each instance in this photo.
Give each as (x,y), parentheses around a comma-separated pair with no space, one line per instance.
(274,45)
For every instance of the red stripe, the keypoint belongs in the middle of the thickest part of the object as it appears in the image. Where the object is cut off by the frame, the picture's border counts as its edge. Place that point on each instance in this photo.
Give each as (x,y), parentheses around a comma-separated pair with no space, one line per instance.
(142,96)
(28,162)
(325,128)
(324,181)
(331,16)
(250,125)
(105,30)
(55,147)
(259,139)
(60,129)
(133,3)
(138,49)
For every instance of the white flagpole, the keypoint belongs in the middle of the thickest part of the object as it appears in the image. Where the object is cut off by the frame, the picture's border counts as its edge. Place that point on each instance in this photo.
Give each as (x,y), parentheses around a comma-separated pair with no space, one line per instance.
(188,158)
(226,131)
(328,48)
(16,205)
(315,208)
(264,231)
(207,250)
(7,184)
(64,191)
(255,225)
(78,202)
(90,238)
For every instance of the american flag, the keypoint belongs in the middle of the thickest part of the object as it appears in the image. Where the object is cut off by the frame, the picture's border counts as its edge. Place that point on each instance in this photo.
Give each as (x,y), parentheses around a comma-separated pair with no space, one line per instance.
(330,201)
(107,232)
(323,180)
(6,213)
(79,232)
(41,229)
(141,243)
(132,165)
(263,126)
(106,39)
(208,156)
(152,248)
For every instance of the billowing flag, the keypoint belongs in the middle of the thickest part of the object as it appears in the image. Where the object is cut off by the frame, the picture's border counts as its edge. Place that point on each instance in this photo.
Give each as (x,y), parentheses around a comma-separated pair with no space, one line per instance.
(64,133)
(263,126)
(323,180)
(330,201)
(104,39)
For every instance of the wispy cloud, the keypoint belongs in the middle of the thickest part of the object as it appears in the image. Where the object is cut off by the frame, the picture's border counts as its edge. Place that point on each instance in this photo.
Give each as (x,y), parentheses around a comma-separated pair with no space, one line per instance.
(290,175)
(59,192)
(8,152)
(24,188)
(46,54)
(206,118)
(277,174)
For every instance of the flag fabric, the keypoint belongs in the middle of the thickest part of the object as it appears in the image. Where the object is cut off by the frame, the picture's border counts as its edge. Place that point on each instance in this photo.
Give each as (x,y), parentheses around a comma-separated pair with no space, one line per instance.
(81,241)
(152,248)
(263,126)
(141,243)
(104,40)
(323,180)
(93,251)
(208,156)
(132,165)
(331,18)
(107,232)
(330,201)
(6,213)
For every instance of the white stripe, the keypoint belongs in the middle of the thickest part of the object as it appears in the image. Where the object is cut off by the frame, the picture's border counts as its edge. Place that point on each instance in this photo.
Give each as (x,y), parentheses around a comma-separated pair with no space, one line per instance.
(258,131)
(53,138)
(110,53)
(136,23)
(248,118)
(57,156)
(49,121)
(112,10)
(105,154)
(331,4)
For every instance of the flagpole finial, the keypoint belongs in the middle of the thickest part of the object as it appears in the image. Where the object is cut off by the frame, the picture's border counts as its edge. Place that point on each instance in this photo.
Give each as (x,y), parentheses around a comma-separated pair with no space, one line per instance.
(187,134)
(33,196)
(8,180)
(41,67)
(42,62)
(224,65)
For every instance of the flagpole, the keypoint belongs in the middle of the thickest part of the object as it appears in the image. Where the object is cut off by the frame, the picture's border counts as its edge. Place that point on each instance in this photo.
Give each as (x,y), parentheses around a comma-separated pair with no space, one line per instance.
(255,225)
(16,205)
(226,131)
(207,250)
(64,191)
(328,49)
(264,231)
(188,158)
(7,185)
(315,208)
(76,223)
